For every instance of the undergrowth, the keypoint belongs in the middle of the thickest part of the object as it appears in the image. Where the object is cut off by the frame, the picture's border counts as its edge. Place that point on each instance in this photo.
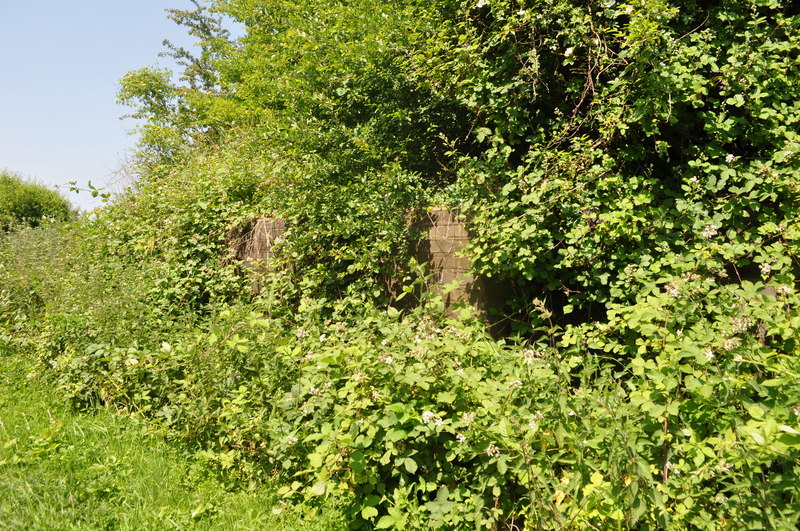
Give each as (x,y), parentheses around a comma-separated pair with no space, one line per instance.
(60,469)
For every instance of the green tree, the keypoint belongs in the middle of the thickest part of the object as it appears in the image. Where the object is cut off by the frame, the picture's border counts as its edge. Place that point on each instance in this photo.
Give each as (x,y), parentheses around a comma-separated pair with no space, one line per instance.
(29,203)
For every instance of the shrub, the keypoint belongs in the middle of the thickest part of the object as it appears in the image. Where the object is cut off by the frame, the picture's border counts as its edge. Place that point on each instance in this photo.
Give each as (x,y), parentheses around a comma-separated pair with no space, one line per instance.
(29,203)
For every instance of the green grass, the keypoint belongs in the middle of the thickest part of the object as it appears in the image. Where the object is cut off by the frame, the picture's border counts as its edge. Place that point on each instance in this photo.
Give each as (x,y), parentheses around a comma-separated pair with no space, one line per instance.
(60,469)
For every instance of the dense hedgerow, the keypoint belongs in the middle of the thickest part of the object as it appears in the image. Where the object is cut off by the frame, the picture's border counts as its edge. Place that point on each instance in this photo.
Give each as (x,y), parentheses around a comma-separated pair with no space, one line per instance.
(631,170)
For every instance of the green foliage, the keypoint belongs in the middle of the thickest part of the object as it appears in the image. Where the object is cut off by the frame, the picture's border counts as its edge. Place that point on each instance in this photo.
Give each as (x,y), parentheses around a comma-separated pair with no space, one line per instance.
(631,168)
(60,469)
(27,203)
(626,143)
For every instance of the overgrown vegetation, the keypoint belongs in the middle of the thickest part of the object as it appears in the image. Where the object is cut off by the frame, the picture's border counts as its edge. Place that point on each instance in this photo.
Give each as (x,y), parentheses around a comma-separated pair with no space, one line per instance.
(630,169)
(64,470)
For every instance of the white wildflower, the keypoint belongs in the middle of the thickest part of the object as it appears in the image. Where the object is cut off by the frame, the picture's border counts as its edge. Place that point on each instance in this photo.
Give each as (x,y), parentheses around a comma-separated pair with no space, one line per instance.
(533,425)
(300,333)
(291,439)
(461,438)
(741,324)
(322,338)
(568,51)
(384,342)
(516,384)
(492,450)
(784,290)
(723,466)
(710,231)
(529,356)
(731,343)
(673,290)
(709,354)
(729,158)
(765,269)
(427,417)
(468,418)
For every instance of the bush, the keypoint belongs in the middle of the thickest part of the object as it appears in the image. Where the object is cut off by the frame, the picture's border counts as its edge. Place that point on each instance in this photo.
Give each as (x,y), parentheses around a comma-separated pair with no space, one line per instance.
(29,203)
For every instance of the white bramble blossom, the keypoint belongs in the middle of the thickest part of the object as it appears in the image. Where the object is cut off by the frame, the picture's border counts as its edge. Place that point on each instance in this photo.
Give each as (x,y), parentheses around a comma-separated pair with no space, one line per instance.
(492,450)
(710,231)
(535,418)
(468,418)
(729,158)
(709,354)
(741,324)
(461,438)
(291,439)
(427,417)
(731,343)
(673,290)
(765,269)
(529,356)
(516,384)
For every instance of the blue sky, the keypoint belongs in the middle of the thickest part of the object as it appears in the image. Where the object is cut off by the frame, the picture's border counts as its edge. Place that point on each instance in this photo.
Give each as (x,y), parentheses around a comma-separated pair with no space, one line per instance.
(60,65)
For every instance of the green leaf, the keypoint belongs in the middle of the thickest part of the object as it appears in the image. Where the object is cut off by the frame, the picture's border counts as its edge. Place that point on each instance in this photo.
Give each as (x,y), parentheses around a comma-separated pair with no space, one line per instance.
(369,512)
(319,488)
(386,522)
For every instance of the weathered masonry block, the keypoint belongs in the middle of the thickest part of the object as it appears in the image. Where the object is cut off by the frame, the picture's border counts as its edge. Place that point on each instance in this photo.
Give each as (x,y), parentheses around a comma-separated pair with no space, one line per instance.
(443,237)
(254,244)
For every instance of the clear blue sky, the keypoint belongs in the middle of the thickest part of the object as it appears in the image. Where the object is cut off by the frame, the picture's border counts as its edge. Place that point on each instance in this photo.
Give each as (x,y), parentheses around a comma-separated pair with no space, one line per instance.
(60,65)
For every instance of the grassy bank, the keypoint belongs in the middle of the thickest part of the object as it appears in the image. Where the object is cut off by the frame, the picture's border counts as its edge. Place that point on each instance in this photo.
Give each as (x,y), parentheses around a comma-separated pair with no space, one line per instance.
(65,470)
